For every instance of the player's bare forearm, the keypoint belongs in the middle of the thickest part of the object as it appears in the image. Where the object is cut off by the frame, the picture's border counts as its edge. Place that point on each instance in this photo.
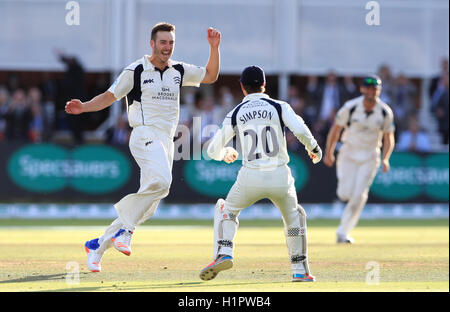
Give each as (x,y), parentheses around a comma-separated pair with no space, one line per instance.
(388,145)
(213,66)
(332,138)
(98,103)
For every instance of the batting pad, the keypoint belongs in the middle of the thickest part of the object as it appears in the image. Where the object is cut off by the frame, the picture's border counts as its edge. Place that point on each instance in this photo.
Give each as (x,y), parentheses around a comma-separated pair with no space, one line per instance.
(225,227)
(296,243)
(217,218)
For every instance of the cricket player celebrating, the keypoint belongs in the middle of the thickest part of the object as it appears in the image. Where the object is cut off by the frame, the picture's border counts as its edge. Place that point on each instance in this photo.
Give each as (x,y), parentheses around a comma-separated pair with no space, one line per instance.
(367,121)
(259,123)
(152,88)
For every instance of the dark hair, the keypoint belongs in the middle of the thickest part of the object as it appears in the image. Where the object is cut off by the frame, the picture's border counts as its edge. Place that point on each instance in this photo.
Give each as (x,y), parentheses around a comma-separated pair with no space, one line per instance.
(161,27)
(254,89)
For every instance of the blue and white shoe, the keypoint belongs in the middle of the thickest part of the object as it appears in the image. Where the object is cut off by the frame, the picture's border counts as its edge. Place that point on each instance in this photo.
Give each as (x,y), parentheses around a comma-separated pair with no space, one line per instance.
(223,262)
(303,278)
(93,258)
(122,241)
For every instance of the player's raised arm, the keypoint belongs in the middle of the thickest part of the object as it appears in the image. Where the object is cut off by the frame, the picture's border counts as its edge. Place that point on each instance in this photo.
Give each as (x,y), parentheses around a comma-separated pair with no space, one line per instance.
(212,67)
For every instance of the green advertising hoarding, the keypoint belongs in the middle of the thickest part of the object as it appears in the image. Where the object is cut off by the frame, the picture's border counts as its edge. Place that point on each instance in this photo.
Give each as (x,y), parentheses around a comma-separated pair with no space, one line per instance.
(103,173)
(215,179)
(93,169)
(412,175)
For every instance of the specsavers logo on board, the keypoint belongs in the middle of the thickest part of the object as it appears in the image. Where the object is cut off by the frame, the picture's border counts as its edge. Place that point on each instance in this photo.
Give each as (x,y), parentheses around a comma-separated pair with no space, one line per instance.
(214,178)
(92,169)
(412,175)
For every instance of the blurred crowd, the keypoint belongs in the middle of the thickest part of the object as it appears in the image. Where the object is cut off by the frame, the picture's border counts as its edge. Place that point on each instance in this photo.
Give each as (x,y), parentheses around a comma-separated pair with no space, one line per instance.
(35,114)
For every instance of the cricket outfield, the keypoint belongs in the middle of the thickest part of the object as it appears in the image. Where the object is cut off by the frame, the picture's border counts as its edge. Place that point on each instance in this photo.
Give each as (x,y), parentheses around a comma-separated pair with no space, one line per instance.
(389,256)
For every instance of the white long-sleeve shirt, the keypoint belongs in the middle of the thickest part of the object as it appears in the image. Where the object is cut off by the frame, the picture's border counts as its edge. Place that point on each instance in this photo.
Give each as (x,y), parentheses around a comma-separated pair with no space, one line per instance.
(259,122)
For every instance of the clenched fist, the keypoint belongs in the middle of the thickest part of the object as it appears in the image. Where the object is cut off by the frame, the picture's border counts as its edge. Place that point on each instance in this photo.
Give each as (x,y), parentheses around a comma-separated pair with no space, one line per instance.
(74,107)
(213,36)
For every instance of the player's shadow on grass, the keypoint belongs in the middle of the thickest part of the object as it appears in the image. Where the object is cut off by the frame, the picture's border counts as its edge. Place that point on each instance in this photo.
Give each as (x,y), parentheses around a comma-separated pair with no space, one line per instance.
(193,285)
(175,286)
(36,278)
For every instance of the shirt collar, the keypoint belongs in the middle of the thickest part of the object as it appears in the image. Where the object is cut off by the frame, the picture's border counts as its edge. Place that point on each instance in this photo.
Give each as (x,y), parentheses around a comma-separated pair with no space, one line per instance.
(253,96)
(378,102)
(149,66)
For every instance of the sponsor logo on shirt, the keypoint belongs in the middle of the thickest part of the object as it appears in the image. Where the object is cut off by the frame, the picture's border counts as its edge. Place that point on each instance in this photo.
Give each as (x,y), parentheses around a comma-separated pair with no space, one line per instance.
(148,81)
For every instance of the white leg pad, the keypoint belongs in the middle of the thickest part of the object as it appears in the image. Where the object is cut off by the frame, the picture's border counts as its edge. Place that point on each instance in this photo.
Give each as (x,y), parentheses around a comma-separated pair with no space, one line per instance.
(296,242)
(225,226)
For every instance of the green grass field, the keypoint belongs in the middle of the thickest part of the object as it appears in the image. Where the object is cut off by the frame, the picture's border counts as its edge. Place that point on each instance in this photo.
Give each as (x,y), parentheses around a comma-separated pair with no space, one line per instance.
(413,255)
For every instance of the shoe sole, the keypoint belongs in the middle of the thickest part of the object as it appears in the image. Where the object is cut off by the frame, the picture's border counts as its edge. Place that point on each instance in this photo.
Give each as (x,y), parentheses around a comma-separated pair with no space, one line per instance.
(303,280)
(125,252)
(211,272)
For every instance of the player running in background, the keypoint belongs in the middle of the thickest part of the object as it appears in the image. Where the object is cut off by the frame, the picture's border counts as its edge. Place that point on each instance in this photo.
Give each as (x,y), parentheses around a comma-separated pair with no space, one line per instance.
(259,122)
(367,121)
(152,87)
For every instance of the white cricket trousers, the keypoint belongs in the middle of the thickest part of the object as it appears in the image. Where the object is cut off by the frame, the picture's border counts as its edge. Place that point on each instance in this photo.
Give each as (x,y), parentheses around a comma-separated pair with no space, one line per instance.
(153,151)
(251,186)
(354,180)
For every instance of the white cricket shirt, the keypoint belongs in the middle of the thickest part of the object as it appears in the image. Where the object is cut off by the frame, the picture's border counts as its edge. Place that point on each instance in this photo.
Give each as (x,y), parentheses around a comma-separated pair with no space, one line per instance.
(153,95)
(260,122)
(364,130)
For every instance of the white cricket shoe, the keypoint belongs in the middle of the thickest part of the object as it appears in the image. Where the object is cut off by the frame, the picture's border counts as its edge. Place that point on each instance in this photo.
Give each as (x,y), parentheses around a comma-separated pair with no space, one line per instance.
(345,240)
(122,241)
(93,258)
